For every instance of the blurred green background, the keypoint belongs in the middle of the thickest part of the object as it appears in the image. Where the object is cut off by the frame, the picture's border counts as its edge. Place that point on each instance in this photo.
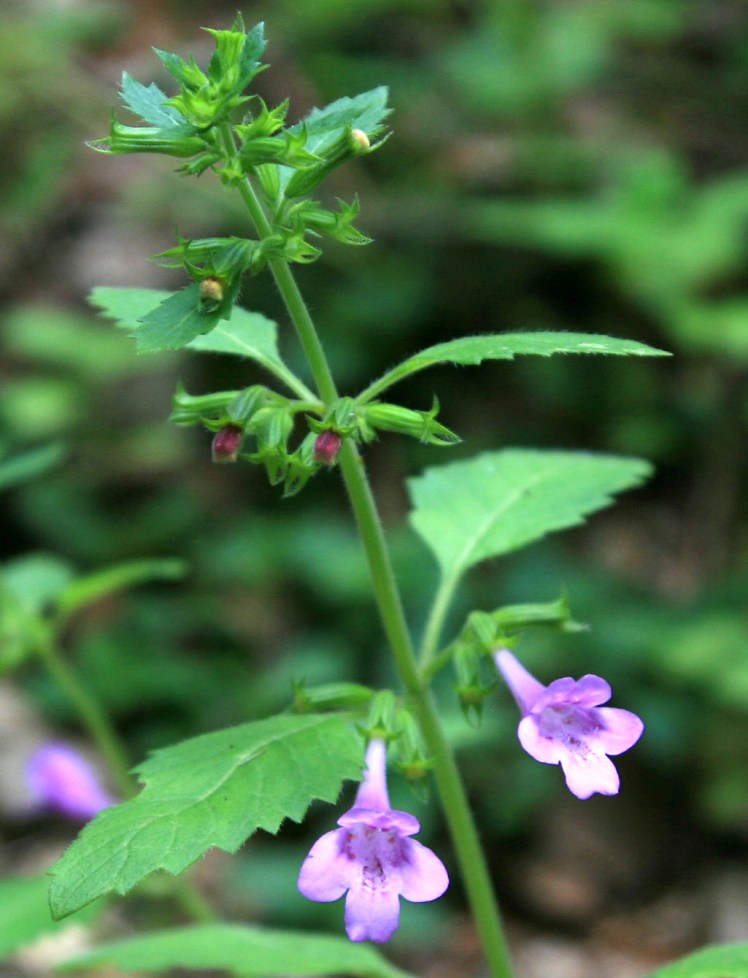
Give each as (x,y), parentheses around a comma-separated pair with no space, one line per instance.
(567,164)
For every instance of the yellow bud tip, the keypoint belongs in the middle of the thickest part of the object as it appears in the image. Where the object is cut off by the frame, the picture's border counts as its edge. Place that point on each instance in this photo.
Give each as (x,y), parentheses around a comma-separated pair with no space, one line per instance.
(211,289)
(361,140)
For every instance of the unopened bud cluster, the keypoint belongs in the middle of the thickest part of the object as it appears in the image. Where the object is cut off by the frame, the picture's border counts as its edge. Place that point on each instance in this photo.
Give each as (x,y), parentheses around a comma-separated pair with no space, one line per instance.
(288,162)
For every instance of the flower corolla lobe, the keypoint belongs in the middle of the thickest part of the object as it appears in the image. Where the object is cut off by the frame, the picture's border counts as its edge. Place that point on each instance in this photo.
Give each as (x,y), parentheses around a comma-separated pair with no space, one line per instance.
(564,723)
(372,857)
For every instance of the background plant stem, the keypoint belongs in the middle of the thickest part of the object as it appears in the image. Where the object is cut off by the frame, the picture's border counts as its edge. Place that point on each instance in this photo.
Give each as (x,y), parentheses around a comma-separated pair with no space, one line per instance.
(454,800)
(93,717)
(96,721)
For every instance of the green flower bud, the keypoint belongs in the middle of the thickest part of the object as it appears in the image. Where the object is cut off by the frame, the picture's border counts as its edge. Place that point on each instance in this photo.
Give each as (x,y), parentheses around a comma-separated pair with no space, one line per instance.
(381,721)
(470,689)
(198,165)
(193,253)
(518,616)
(247,403)
(266,122)
(331,696)
(269,178)
(350,143)
(300,467)
(418,424)
(272,424)
(338,226)
(274,459)
(287,149)
(189,410)
(175,141)
(290,245)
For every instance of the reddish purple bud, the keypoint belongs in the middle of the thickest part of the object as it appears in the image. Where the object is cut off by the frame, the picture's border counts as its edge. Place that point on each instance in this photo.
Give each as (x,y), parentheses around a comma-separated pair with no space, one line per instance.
(226,443)
(327,446)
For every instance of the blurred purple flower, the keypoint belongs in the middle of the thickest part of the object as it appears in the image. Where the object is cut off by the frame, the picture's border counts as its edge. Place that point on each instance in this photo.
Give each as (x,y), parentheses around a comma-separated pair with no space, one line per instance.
(372,858)
(60,778)
(564,724)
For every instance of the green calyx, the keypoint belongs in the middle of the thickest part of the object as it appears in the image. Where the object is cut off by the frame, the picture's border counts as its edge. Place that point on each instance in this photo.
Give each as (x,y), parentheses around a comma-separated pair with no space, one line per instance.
(180,140)
(330,696)
(349,144)
(287,149)
(422,425)
(470,686)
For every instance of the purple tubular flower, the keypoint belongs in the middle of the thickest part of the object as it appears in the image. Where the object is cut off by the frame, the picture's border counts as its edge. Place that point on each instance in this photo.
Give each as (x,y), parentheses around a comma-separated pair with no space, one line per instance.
(60,778)
(372,857)
(564,724)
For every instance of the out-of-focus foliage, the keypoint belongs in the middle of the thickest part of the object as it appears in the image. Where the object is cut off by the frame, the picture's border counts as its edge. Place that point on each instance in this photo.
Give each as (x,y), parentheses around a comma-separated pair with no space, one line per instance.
(553,166)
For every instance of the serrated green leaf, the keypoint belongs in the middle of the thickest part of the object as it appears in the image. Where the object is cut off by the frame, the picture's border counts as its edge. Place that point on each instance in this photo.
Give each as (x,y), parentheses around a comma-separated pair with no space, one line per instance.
(28,465)
(489,505)
(126,306)
(24,912)
(96,585)
(149,103)
(246,334)
(186,72)
(254,45)
(249,952)
(210,791)
(471,350)
(720,961)
(174,322)
(366,111)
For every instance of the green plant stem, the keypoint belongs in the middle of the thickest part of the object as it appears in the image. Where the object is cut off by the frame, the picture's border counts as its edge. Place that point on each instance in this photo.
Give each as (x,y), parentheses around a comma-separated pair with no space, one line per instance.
(454,800)
(435,622)
(106,738)
(91,714)
(287,286)
(192,901)
(459,816)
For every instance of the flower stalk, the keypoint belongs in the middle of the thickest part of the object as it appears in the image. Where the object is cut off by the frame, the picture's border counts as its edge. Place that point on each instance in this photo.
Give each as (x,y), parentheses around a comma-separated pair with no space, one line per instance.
(93,717)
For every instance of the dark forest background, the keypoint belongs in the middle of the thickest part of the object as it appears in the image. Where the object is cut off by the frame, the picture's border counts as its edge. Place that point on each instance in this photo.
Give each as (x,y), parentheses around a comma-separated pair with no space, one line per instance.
(567,164)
